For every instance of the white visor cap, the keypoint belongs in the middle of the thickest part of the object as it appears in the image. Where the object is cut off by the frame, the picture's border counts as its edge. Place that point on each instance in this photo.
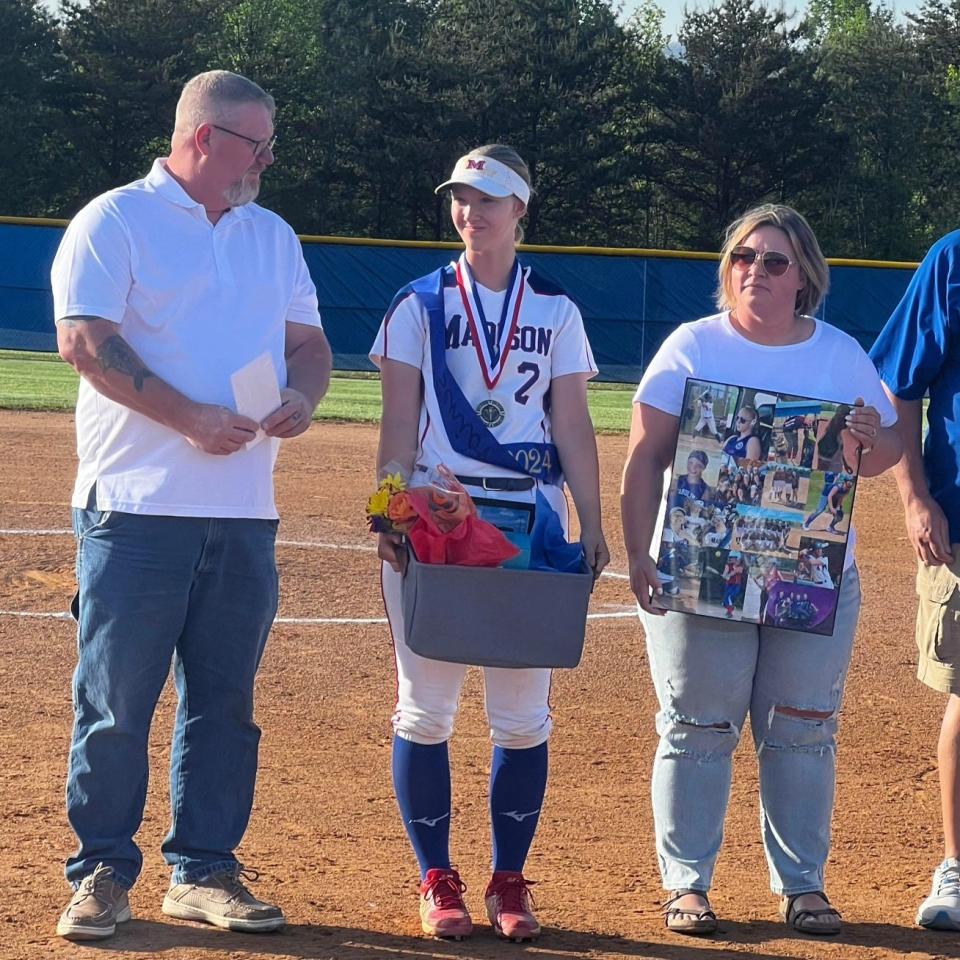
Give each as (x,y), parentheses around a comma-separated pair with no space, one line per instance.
(489,176)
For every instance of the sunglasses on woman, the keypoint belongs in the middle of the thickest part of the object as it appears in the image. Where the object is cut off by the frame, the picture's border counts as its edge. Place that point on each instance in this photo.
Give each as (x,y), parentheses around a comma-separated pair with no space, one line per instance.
(776,264)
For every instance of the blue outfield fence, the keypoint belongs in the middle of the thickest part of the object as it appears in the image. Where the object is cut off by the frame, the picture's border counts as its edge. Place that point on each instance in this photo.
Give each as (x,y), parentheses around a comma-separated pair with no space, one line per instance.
(630,299)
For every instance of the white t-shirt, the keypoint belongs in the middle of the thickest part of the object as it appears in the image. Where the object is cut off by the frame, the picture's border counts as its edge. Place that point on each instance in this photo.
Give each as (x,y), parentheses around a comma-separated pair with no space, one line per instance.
(829,365)
(196,302)
(548,341)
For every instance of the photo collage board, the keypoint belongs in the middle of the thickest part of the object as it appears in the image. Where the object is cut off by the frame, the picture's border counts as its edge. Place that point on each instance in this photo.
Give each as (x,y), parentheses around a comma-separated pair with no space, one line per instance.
(757,515)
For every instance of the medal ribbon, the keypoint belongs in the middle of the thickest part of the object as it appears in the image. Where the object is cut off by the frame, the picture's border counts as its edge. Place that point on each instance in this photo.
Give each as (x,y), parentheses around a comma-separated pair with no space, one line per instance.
(467,433)
(500,342)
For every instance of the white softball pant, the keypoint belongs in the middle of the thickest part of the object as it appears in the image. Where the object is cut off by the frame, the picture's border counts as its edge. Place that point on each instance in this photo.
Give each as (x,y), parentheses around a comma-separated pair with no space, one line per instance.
(706,422)
(428,691)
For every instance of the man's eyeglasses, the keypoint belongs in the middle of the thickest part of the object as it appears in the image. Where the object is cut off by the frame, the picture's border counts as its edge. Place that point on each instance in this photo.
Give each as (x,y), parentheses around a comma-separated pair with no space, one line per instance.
(776,264)
(259,146)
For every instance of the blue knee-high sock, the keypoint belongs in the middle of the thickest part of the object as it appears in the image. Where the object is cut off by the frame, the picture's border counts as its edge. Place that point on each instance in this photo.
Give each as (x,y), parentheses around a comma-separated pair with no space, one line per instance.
(518,783)
(421,781)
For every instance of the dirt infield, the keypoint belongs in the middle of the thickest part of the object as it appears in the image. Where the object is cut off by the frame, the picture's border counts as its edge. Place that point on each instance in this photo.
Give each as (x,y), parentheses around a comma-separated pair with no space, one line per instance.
(325,833)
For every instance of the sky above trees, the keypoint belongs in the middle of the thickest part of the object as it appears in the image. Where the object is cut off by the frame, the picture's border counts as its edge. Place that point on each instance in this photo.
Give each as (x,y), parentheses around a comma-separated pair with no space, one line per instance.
(673,10)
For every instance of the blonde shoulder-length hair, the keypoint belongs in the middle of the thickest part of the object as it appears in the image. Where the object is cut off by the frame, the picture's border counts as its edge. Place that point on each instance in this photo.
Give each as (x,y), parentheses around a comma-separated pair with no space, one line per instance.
(810,260)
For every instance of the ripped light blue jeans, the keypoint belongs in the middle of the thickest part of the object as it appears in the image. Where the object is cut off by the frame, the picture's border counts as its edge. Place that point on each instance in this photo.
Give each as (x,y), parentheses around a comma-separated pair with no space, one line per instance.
(708,674)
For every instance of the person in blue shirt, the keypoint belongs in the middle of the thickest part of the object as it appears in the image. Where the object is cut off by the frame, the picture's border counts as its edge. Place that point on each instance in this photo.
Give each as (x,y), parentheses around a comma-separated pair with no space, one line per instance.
(744,443)
(691,485)
(918,352)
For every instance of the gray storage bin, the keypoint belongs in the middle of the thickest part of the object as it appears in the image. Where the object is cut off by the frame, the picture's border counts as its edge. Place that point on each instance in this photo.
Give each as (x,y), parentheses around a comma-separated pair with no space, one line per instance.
(495,617)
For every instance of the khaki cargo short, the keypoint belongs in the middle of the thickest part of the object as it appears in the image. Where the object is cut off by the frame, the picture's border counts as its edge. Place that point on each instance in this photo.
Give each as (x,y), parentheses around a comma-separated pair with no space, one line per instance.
(938,625)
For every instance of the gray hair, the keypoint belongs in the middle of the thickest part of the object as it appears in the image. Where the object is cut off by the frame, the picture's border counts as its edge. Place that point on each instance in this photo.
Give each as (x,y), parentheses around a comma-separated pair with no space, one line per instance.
(212,96)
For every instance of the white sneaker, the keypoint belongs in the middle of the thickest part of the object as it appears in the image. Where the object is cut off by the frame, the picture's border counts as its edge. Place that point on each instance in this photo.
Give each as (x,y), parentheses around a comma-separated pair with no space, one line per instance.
(941,910)
(224,901)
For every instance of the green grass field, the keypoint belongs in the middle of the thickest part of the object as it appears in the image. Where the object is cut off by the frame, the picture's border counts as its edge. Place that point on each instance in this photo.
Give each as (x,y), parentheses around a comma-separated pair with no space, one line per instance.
(42,381)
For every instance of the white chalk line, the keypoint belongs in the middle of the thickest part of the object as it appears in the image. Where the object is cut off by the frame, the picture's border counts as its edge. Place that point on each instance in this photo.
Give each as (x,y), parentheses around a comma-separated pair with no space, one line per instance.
(280,543)
(32,615)
(321,544)
(366,548)
(287,621)
(35,533)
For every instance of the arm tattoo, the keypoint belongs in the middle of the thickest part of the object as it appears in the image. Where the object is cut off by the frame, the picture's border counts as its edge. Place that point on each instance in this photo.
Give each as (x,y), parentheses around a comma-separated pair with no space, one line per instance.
(116,354)
(75,321)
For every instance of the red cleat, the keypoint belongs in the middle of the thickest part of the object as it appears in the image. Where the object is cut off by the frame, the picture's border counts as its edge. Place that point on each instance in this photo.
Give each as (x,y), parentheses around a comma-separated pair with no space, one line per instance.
(509,904)
(442,910)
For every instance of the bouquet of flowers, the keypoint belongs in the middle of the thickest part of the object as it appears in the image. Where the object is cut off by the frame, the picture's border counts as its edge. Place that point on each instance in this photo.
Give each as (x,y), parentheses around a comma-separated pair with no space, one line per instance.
(389,510)
(439,519)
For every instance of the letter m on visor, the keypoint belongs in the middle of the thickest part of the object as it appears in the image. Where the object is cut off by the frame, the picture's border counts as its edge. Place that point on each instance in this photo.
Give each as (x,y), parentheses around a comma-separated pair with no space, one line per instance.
(475,164)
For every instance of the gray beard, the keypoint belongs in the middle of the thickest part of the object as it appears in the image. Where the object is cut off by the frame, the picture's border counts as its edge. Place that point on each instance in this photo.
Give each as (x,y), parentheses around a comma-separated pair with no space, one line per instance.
(241,192)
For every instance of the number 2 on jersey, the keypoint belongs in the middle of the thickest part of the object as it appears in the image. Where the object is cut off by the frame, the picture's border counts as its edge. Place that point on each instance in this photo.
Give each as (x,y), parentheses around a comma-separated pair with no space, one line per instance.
(522,395)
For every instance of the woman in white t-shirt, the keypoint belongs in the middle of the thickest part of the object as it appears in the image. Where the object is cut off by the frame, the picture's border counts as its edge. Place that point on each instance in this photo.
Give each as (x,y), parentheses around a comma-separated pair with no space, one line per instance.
(484,366)
(708,673)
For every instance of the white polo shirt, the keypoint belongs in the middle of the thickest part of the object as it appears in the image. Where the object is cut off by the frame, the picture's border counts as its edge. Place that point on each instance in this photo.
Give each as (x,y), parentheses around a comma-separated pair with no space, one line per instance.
(197,302)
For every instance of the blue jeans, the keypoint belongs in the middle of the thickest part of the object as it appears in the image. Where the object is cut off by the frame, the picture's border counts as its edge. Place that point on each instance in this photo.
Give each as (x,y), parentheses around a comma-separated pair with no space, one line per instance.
(708,674)
(202,592)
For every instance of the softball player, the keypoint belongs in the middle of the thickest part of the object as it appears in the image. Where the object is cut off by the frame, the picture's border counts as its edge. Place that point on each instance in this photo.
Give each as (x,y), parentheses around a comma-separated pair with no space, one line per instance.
(768,578)
(820,569)
(791,431)
(832,497)
(691,485)
(484,366)
(706,418)
(734,575)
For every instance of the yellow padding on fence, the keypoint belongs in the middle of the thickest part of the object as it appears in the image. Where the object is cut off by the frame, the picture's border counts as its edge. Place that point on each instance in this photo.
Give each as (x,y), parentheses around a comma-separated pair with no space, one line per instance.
(527,247)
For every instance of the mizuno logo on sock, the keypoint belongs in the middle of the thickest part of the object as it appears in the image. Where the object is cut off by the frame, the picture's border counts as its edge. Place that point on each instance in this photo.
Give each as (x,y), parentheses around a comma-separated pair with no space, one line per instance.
(519,817)
(432,821)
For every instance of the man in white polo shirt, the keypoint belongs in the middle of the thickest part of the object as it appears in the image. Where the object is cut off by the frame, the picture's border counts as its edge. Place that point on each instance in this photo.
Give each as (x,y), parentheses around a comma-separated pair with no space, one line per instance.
(163,289)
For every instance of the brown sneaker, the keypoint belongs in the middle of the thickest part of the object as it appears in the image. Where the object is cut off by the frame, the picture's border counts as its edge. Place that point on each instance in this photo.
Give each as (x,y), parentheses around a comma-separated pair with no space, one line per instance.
(95,908)
(223,900)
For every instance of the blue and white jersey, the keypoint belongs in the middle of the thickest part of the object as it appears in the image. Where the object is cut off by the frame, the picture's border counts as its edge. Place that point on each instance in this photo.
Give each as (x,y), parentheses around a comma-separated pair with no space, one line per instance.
(736,446)
(503,348)
(689,491)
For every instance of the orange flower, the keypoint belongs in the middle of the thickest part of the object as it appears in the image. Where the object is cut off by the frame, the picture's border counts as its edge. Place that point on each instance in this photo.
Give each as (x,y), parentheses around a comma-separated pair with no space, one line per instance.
(447,509)
(401,512)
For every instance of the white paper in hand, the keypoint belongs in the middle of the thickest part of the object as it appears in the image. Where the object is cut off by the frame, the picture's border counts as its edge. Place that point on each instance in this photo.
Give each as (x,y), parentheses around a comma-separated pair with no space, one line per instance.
(256,391)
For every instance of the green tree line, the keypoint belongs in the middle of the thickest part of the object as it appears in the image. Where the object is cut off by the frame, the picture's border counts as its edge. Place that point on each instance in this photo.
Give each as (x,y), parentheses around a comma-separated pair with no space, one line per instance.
(633,138)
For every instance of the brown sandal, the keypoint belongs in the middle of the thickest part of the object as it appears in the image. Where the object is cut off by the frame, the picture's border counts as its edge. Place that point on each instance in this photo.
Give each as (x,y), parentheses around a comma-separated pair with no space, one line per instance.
(798,918)
(689,920)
